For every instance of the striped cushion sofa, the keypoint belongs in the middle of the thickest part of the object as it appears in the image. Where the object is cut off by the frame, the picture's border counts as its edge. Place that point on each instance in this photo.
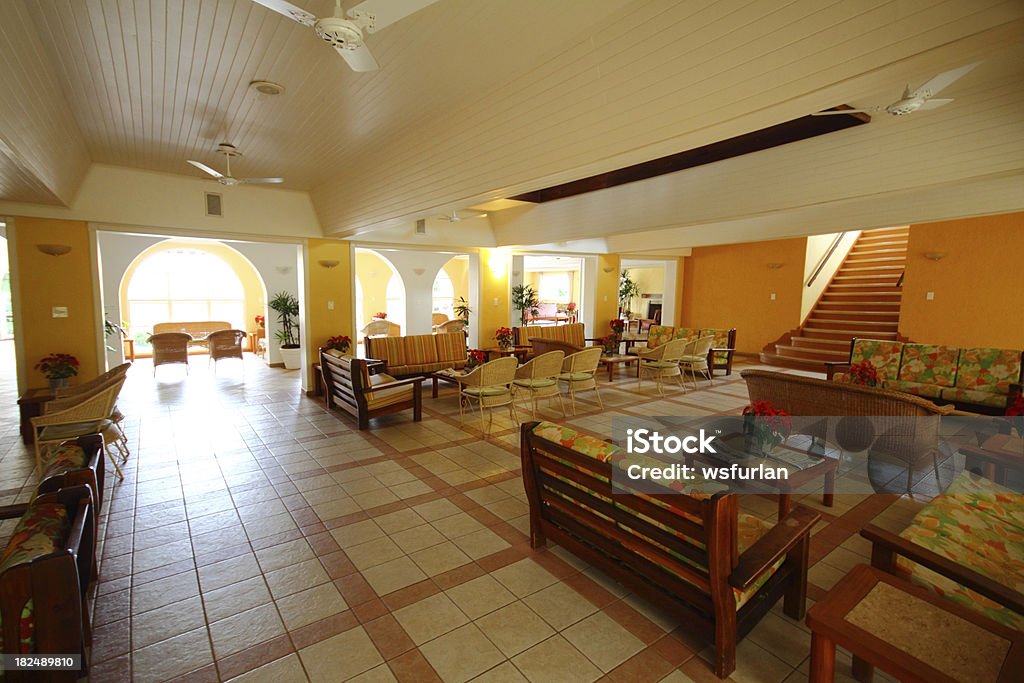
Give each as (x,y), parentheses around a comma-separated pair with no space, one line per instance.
(978,379)
(571,333)
(720,356)
(418,354)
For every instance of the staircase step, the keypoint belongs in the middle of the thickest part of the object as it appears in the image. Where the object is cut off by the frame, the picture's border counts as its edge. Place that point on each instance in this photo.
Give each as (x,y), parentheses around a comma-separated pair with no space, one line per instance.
(810,354)
(854,324)
(860,306)
(875,259)
(888,297)
(865,269)
(881,276)
(842,345)
(877,251)
(865,287)
(794,363)
(885,231)
(881,243)
(843,335)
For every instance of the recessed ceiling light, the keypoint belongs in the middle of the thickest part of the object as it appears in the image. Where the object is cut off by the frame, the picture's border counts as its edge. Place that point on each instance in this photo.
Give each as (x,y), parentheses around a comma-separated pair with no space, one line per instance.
(266,87)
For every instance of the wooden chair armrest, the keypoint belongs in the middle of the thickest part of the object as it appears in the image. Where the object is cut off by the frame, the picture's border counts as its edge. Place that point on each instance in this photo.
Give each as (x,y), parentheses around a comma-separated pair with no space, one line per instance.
(885,544)
(396,383)
(375,366)
(766,550)
(13,511)
(832,365)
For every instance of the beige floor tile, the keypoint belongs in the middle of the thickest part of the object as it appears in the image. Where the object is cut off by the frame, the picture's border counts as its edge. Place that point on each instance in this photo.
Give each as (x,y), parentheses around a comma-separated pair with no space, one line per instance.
(506,672)
(430,618)
(461,654)
(226,572)
(679,677)
(524,577)
(166,622)
(481,543)
(418,538)
(783,638)
(244,630)
(236,598)
(295,578)
(284,554)
(560,605)
(342,656)
(172,657)
(339,507)
(390,576)
(164,591)
(378,674)
(603,640)
(514,628)
(278,671)
(400,520)
(756,665)
(480,596)
(310,605)
(355,534)
(373,499)
(372,553)
(439,558)
(436,509)
(555,659)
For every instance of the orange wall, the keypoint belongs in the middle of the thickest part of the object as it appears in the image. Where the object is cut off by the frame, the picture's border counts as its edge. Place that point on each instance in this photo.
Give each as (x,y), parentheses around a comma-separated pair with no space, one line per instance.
(978,287)
(731,286)
(46,281)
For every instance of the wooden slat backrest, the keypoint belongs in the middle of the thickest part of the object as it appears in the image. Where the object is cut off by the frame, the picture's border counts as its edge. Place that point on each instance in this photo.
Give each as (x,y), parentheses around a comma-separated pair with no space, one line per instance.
(343,380)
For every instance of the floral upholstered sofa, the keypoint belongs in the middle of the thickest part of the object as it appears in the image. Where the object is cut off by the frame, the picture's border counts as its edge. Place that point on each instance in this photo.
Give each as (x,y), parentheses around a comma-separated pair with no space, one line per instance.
(720,356)
(418,354)
(976,379)
(967,546)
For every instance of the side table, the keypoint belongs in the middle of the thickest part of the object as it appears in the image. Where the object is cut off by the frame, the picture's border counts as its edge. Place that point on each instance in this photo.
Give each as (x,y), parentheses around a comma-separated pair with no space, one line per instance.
(910,633)
(30,404)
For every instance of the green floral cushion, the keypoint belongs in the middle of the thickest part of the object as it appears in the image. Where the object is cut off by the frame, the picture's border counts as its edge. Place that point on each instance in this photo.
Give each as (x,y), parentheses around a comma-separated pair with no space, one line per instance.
(658,335)
(686,333)
(721,342)
(916,388)
(40,531)
(990,370)
(929,364)
(884,355)
(64,458)
(589,446)
(981,398)
(977,524)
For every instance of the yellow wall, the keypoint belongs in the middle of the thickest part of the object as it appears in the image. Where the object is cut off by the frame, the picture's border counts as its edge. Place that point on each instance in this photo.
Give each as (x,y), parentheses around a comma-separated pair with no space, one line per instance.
(979,291)
(373,273)
(494,264)
(329,285)
(650,281)
(606,308)
(730,286)
(46,281)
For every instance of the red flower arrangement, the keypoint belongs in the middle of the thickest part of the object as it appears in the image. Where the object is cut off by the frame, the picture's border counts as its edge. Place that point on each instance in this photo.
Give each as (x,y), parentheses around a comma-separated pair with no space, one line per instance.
(618,327)
(340,343)
(767,425)
(475,357)
(58,366)
(571,307)
(864,373)
(261,321)
(1015,412)
(503,335)
(610,344)
(381,316)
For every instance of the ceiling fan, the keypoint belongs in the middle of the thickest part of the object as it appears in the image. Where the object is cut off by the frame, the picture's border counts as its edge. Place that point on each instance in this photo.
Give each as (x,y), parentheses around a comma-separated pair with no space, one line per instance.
(344,31)
(454,217)
(921,99)
(229,150)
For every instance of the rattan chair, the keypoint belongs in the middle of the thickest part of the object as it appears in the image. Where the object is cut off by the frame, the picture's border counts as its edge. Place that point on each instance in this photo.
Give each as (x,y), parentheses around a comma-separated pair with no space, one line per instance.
(578,374)
(225,344)
(539,378)
(450,326)
(438,319)
(696,360)
(662,362)
(490,386)
(69,418)
(170,347)
(93,385)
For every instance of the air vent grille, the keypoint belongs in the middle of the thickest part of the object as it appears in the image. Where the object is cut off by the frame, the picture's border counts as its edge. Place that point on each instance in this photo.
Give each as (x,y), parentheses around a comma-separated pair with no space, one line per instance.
(421,226)
(213,204)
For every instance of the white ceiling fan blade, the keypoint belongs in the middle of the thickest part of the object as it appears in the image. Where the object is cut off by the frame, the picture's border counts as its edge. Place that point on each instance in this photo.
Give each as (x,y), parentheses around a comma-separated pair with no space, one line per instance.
(833,112)
(289,10)
(253,181)
(934,103)
(387,12)
(359,59)
(946,78)
(207,169)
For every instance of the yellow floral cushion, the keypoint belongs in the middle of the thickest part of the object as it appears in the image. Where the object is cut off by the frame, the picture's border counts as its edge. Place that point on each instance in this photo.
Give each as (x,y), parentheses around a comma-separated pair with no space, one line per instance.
(658,335)
(929,364)
(991,370)
(884,356)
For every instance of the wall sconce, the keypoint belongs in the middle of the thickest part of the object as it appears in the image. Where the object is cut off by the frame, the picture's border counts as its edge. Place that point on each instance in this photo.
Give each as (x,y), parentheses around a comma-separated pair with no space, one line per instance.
(54,249)
(517,273)
(775,266)
(329,263)
(608,269)
(419,271)
(935,255)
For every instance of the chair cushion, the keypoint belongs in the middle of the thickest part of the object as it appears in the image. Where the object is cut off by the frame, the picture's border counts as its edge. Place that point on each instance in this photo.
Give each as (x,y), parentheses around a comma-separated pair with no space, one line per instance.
(991,370)
(929,364)
(686,333)
(535,383)
(391,350)
(721,341)
(64,458)
(693,359)
(981,398)
(916,388)
(486,391)
(40,531)
(420,349)
(76,429)
(451,346)
(572,333)
(382,398)
(979,525)
(659,364)
(658,335)
(575,376)
(884,356)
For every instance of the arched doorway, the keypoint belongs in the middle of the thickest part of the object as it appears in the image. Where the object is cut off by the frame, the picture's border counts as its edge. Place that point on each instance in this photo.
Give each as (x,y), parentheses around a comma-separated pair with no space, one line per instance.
(450,285)
(380,289)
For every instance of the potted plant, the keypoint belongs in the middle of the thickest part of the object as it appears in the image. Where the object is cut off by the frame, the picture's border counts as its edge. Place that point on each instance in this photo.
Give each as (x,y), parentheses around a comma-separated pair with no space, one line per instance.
(261,322)
(524,299)
(58,368)
(503,336)
(628,290)
(380,316)
(765,426)
(112,329)
(341,343)
(287,307)
(474,358)
(462,310)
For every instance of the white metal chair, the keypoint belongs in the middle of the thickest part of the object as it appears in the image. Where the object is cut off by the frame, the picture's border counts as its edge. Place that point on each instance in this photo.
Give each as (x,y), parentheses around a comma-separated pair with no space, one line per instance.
(662,362)
(695,360)
(490,386)
(578,371)
(539,378)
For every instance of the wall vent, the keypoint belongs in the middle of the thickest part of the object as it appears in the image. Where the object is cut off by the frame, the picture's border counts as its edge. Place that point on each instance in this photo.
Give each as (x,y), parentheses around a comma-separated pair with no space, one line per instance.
(421,226)
(213,204)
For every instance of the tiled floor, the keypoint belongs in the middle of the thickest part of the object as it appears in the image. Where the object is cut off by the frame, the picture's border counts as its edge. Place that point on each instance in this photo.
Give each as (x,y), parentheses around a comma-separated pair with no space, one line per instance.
(257,537)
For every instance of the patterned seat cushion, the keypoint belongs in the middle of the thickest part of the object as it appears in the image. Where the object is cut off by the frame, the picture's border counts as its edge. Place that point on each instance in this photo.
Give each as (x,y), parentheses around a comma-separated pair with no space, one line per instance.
(64,458)
(884,356)
(981,398)
(451,347)
(916,388)
(928,364)
(658,335)
(420,349)
(40,531)
(991,370)
(977,524)
(571,333)
(391,350)
(721,341)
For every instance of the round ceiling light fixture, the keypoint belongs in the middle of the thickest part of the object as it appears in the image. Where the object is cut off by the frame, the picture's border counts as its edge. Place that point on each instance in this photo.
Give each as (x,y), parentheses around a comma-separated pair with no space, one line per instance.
(266,87)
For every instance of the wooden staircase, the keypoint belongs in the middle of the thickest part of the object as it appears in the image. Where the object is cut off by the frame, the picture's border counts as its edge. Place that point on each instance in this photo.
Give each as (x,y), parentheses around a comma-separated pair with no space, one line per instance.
(862,300)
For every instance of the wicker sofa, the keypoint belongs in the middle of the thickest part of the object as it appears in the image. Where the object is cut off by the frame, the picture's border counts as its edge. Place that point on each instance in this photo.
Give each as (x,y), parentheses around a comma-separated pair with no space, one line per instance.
(983,380)
(722,350)
(418,354)
(694,553)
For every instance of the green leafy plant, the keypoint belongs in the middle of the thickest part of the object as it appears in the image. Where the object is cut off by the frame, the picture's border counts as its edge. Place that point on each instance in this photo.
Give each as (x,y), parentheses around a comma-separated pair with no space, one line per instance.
(524,299)
(628,290)
(287,308)
(462,309)
(112,329)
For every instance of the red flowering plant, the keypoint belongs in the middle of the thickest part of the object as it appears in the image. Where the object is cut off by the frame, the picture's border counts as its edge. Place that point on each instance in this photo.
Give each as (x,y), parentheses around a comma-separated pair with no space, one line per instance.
(618,327)
(475,357)
(1015,411)
(610,344)
(864,373)
(340,343)
(571,307)
(381,315)
(766,425)
(261,321)
(503,335)
(58,366)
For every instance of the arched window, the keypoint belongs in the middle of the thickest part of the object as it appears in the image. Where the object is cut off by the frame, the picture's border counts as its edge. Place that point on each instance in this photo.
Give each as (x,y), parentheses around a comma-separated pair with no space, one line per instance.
(443,294)
(394,295)
(183,285)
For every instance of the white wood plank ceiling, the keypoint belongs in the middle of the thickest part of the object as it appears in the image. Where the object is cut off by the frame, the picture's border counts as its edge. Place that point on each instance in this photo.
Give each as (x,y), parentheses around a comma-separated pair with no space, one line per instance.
(480,99)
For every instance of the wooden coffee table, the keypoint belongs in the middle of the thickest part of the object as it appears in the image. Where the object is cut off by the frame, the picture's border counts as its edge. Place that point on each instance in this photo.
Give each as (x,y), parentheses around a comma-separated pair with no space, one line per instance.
(910,633)
(520,352)
(30,404)
(446,376)
(998,453)
(616,359)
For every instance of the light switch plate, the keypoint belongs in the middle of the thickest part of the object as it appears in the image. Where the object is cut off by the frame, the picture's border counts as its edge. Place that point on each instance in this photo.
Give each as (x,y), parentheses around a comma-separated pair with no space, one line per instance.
(930,296)
(773,296)
(60,311)
(330,305)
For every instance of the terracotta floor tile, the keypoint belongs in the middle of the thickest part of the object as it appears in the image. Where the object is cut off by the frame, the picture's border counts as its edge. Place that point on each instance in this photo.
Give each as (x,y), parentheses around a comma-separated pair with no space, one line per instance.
(413,666)
(256,657)
(389,636)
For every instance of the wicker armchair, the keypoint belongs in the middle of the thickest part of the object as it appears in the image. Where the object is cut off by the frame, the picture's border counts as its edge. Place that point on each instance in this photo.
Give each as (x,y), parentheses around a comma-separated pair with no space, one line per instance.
(696,360)
(69,418)
(490,386)
(662,362)
(438,319)
(170,347)
(94,385)
(225,344)
(450,326)
(578,373)
(539,378)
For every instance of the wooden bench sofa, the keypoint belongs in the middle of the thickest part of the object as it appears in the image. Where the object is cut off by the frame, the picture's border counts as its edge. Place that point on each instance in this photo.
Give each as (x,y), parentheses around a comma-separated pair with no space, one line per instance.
(418,354)
(981,380)
(349,386)
(694,554)
(198,330)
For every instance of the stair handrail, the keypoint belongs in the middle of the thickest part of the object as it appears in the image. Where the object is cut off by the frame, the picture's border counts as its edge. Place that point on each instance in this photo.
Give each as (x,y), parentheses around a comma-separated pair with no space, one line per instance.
(899,283)
(824,259)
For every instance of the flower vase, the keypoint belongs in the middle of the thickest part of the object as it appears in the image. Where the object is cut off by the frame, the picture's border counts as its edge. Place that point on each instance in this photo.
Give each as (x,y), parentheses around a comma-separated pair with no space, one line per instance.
(58,382)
